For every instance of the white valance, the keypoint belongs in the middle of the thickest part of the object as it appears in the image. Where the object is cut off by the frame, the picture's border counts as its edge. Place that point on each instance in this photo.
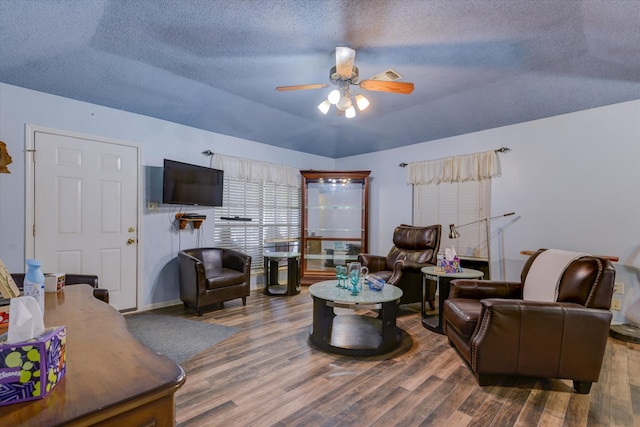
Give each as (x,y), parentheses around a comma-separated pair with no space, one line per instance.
(468,167)
(252,170)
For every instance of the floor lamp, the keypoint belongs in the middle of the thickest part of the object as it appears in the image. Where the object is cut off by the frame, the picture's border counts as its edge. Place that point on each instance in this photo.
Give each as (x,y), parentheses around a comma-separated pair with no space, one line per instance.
(453,234)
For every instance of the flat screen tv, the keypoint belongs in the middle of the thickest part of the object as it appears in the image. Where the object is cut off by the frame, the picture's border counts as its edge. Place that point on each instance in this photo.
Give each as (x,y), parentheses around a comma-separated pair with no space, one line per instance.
(186,184)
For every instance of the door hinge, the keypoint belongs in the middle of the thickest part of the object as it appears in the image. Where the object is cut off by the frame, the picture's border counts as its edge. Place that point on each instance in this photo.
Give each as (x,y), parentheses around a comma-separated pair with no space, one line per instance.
(34,230)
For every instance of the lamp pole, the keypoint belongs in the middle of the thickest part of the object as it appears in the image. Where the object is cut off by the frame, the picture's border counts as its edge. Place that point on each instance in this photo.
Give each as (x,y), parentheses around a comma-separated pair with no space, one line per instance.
(453,234)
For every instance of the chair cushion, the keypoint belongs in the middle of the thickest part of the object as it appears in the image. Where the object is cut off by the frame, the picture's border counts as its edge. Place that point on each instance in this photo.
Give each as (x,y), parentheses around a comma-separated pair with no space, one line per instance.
(415,244)
(224,277)
(462,314)
(541,283)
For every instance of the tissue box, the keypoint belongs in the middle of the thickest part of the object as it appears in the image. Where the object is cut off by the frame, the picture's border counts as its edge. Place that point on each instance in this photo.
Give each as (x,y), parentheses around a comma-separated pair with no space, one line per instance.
(29,370)
(53,282)
(4,315)
(452,265)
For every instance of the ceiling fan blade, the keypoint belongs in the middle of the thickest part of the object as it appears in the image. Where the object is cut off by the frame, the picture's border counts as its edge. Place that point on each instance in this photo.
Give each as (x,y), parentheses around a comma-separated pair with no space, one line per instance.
(345,57)
(382,86)
(302,87)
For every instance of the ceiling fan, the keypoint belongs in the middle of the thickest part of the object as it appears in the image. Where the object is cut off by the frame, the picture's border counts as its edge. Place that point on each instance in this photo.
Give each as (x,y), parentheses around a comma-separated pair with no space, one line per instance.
(345,74)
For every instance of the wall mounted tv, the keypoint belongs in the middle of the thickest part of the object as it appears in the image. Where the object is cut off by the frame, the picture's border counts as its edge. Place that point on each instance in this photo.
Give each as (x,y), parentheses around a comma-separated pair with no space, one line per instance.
(186,184)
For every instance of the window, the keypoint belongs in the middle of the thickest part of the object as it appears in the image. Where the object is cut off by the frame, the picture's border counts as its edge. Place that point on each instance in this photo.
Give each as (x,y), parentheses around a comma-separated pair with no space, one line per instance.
(458,203)
(262,211)
(456,190)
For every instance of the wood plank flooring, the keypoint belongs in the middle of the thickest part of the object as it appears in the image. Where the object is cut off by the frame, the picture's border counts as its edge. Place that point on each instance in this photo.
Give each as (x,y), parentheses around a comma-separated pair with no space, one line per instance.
(268,375)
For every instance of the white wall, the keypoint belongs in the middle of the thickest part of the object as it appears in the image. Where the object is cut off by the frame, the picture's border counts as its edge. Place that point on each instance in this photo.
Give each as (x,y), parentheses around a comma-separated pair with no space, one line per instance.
(573,181)
(159,139)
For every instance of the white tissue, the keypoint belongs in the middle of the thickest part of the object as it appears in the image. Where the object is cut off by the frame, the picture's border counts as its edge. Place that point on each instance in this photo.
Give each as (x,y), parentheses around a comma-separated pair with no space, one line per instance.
(25,319)
(450,253)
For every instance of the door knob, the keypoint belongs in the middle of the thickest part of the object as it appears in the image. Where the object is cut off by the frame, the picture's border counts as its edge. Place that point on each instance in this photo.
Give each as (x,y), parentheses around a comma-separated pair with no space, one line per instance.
(131,241)
(131,229)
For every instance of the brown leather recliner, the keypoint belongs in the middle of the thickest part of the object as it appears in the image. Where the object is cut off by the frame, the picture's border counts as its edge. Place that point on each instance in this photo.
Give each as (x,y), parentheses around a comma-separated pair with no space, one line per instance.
(213,275)
(73,279)
(414,248)
(499,333)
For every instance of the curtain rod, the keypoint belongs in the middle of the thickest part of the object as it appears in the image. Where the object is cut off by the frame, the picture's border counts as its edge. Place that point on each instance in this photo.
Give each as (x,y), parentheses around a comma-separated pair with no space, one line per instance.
(499,150)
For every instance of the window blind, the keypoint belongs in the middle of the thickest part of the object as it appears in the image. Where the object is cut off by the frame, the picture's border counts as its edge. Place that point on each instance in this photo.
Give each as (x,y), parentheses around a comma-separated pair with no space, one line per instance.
(456,203)
(265,210)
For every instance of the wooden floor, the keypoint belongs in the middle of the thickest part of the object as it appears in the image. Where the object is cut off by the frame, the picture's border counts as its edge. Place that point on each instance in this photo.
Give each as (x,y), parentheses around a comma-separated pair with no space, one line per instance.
(267,374)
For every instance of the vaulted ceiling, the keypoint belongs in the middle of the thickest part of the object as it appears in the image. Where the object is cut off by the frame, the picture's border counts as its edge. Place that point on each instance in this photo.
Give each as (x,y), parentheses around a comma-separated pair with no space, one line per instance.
(214,65)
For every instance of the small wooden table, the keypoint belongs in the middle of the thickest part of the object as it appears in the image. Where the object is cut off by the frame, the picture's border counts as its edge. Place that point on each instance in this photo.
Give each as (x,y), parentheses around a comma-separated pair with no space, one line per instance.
(111,378)
(352,334)
(433,322)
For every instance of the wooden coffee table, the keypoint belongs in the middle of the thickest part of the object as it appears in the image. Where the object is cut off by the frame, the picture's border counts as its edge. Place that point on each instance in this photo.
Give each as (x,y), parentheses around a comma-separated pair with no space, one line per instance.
(355,334)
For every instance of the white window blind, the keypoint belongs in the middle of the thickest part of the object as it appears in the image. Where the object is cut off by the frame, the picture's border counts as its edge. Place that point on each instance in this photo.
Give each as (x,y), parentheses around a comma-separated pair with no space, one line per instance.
(264,210)
(455,190)
(456,203)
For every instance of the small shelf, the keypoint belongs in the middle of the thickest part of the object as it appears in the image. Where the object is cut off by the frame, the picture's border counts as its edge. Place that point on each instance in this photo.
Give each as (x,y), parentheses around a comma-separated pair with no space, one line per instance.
(182,221)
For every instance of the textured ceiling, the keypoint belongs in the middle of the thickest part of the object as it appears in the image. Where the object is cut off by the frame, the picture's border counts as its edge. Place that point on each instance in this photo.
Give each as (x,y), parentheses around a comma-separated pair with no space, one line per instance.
(214,65)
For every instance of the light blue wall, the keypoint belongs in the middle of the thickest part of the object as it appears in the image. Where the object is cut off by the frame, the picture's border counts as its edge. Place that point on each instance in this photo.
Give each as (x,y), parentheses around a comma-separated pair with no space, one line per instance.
(158,139)
(573,181)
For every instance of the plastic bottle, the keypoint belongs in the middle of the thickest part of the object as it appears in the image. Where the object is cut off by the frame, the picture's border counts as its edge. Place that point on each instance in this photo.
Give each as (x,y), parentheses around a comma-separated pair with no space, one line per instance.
(33,284)
(440,262)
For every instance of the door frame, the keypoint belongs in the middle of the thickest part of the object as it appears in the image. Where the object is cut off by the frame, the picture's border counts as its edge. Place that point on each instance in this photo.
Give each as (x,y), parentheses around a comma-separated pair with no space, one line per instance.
(29,238)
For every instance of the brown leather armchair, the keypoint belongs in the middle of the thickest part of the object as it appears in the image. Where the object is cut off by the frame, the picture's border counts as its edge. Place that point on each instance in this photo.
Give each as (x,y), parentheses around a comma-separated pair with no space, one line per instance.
(74,279)
(414,248)
(499,333)
(213,275)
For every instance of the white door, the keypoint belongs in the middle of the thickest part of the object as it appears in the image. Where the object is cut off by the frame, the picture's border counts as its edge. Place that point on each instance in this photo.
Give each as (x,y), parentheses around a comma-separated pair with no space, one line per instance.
(85,211)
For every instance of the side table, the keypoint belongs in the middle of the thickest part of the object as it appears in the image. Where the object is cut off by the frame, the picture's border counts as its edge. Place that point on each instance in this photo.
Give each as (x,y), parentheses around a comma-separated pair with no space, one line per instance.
(433,322)
(271,263)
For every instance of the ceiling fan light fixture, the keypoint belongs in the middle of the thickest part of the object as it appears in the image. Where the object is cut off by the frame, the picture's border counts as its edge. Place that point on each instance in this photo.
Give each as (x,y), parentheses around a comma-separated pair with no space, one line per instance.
(361,102)
(334,96)
(350,112)
(324,106)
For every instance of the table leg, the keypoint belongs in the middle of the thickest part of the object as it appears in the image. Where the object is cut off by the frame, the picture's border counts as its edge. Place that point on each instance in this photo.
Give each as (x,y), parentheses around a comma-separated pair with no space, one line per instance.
(322,321)
(391,335)
(293,276)
(434,322)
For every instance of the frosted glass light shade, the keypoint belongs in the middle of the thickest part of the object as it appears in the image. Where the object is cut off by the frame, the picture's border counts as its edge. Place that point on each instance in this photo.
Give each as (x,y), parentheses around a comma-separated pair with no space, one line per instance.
(361,102)
(350,112)
(344,103)
(324,106)
(334,96)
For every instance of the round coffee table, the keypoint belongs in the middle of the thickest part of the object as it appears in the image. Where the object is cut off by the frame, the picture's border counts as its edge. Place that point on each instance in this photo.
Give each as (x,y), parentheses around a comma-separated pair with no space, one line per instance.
(442,279)
(354,334)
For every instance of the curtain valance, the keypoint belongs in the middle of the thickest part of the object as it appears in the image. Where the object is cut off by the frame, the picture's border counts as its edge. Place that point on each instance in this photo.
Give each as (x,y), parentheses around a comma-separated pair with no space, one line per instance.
(468,167)
(252,170)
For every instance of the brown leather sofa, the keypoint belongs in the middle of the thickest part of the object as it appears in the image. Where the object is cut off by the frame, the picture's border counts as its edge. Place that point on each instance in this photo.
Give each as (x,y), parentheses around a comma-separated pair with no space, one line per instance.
(498,333)
(414,248)
(73,279)
(213,275)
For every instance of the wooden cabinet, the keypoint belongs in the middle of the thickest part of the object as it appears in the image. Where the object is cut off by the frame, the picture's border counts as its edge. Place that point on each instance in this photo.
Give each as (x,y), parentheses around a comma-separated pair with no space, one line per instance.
(335,212)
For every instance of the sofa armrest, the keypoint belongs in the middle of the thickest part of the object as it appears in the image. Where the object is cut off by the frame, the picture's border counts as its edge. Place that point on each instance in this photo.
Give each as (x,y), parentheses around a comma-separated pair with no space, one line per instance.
(410,266)
(73,279)
(402,266)
(535,338)
(373,262)
(191,277)
(482,289)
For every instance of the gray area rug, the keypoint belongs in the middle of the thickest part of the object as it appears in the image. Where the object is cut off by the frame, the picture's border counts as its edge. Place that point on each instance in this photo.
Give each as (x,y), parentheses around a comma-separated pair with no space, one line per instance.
(174,337)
